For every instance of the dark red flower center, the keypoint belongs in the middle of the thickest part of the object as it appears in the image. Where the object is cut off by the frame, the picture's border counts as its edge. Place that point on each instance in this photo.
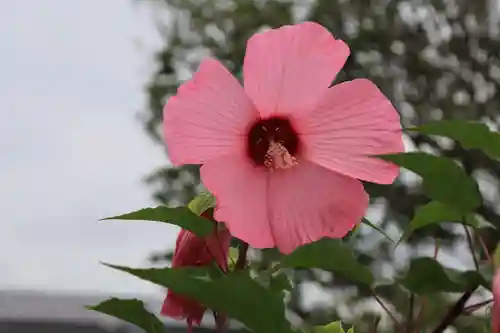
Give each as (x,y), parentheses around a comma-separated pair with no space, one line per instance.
(273,143)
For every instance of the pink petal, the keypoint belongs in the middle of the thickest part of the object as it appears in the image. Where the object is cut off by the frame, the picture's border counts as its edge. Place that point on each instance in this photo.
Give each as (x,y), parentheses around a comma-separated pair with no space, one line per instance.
(242,203)
(287,69)
(353,121)
(180,307)
(218,247)
(495,318)
(286,208)
(309,202)
(496,285)
(208,116)
(189,250)
(495,314)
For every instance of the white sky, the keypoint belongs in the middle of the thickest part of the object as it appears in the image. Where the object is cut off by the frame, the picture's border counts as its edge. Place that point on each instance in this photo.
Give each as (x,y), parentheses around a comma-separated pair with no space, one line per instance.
(71,148)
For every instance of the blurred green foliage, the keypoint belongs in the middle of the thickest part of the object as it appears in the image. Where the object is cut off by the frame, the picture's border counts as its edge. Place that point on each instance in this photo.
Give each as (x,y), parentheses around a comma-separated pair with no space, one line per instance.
(434,59)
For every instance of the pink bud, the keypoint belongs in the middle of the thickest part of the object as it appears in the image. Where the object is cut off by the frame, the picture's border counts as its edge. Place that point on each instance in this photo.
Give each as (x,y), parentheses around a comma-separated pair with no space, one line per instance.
(193,251)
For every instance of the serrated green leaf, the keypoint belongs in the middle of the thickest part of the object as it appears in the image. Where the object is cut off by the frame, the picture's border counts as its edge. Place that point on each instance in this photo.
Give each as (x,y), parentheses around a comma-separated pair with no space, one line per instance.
(331,255)
(334,327)
(180,216)
(471,135)
(132,311)
(442,179)
(201,203)
(373,226)
(236,294)
(433,213)
(427,276)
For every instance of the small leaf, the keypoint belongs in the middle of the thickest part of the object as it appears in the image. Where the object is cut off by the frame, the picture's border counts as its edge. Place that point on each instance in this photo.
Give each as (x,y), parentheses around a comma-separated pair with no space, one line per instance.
(433,213)
(334,327)
(280,281)
(443,180)
(235,294)
(427,276)
(201,203)
(180,216)
(232,258)
(131,311)
(479,222)
(471,135)
(373,226)
(351,330)
(331,255)
(274,278)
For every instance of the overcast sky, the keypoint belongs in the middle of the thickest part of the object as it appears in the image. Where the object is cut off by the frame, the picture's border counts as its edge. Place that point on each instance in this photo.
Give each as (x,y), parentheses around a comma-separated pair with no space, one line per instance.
(72,151)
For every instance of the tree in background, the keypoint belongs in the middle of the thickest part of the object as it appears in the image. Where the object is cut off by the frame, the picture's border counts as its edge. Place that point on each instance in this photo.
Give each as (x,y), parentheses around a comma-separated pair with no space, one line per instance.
(435,59)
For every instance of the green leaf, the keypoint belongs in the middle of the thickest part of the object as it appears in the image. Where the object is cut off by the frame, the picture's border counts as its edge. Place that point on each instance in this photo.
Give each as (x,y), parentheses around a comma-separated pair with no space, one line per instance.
(335,327)
(275,280)
(331,255)
(443,180)
(427,276)
(351,330)
(479,222)
(436,212)
(201,203)
(280,281)
(271,254)
(471,135)
(487,271)
(131,311)
(373,226)
(181,216)
(236,294)
(232,258)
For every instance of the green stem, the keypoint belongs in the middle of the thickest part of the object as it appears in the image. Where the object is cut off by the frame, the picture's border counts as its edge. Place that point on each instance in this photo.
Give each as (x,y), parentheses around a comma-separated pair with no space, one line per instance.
(454,312)
(409,323)
(477,306)
(242,256)
(397,324)
(471,246)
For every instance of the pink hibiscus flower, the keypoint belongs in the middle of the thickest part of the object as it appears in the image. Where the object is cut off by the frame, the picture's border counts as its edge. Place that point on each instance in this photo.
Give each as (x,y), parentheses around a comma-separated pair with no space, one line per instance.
(495,313)
(284,155)
(191,251)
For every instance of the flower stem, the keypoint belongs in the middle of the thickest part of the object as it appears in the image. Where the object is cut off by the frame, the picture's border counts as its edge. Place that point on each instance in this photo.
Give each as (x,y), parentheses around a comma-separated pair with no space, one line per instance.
(477,306)
(221,323)
(420,316)
(397,324)
(409,323)
(485,249)
(242,256)
(471,246)
(454,311)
